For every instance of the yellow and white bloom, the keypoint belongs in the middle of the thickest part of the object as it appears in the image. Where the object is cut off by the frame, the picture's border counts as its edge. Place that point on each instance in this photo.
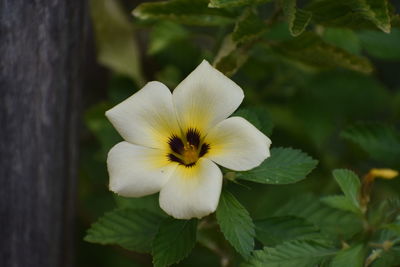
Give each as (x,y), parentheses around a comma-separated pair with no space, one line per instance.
(174,141)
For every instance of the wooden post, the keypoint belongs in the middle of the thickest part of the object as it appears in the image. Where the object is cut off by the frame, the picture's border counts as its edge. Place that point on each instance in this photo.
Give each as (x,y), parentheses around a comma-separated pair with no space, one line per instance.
(41,52)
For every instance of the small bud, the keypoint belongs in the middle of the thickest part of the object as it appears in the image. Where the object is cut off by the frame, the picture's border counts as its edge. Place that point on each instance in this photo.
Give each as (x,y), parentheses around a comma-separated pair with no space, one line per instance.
(384,173)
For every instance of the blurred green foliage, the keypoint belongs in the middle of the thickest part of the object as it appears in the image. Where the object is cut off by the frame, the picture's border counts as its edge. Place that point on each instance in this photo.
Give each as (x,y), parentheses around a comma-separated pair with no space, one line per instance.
(325,73)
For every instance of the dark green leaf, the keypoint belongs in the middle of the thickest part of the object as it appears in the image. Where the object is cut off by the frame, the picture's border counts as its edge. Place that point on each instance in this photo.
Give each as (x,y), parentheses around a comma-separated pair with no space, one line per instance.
(394,227)
(234,3)
(330,221)
(174,241)
(165,34)
(381,45)
(352,13)
(297,19)
(149,203)
(285,166)
(248,27)
(229,57)
(350,184)
(343,38)
(192,12)
(310,50)
(352,256)
(390,258)
(381,141)
(275,230)
(116,47)
(298,253)
(130,228)
(236,224)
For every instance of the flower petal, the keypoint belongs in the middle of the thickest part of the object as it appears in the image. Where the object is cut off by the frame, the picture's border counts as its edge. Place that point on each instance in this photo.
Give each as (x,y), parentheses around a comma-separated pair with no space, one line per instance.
(146,118)
(205,97)
(137,171)
(237,145)
(192,191)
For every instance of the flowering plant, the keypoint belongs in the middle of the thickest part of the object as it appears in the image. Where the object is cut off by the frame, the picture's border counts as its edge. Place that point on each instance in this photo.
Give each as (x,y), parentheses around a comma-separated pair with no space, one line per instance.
(194,177)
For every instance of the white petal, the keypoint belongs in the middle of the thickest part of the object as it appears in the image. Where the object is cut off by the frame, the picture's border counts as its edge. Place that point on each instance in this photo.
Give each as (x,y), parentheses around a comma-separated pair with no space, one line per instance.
(137,171)
(237,145)
(192,191)
(146,118)
(205,97)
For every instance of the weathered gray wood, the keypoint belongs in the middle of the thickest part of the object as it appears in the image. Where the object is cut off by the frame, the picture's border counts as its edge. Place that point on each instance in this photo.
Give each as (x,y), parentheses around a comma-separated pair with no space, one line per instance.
(41,52)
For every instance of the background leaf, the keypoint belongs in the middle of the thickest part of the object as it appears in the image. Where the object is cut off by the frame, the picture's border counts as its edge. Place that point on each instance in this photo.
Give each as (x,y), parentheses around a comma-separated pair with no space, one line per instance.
(327,219)
(116,46)
(236,224)
(285,166)
(381,45)
(234,3)
(310,50)
(192,12)
(380,141)
(352,13)
(275,230)
(130,228)
(291,254)
(297,19)
(248,27)
(174,241)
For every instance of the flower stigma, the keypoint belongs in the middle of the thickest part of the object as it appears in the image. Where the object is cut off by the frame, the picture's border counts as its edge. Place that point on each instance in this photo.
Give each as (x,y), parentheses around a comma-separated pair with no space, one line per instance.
(187,150)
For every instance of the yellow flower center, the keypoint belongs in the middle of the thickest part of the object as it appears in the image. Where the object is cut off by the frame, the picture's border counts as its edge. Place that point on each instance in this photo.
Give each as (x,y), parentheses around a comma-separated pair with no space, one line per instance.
(190,154)
(187,153)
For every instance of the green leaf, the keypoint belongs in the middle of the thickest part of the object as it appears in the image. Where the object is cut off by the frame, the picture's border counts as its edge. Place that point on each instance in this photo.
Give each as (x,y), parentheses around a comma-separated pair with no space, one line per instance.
(234,3)
(350,184)
(380,45)
(275,230)
(298,253)
(174,241)
(236,224)
(115,43)
(248,27)
(332,222)
(352,256)
(149,203)
(258,116)
(343,38)
(130,228)
(380,141)
(285,166)
(297,19)
(310,50)
(341,203)
(192,12)
(352,13)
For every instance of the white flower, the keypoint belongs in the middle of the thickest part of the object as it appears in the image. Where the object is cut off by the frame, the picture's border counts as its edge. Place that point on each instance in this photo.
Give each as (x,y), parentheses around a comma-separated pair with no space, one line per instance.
(173,142)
